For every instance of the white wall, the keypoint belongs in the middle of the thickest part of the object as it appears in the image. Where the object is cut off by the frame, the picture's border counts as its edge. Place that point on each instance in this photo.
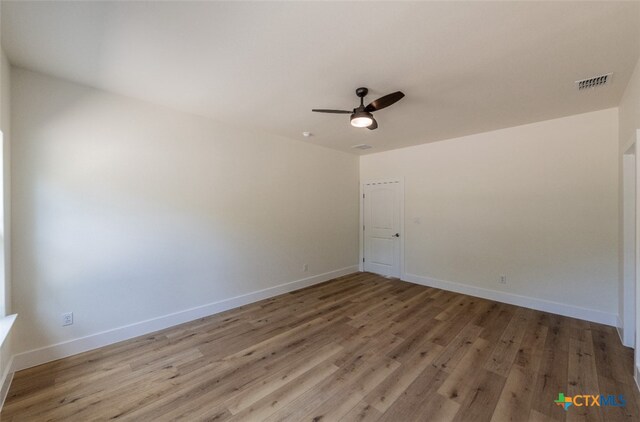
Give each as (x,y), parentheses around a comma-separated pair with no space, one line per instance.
(5,127)
(629,110)
(124,211)
(537,203)
(5,270)
(629,124)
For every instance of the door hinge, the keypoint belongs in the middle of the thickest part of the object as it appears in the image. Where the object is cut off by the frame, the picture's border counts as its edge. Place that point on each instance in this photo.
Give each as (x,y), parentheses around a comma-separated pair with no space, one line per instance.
(362,228)
(362,259)
(363,196)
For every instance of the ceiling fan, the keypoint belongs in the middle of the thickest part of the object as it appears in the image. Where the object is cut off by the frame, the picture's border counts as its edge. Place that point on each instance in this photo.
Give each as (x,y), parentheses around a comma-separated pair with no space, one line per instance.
(361,116)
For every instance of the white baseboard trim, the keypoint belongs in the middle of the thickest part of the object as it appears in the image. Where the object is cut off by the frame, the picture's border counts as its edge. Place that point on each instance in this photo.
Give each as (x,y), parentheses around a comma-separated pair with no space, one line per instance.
(5,382)
(518,300)
(620,330)
(72,347)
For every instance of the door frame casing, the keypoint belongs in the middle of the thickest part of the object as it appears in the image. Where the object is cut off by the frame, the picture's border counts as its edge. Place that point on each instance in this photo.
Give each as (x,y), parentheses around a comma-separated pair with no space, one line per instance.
(400,181)
(627,324)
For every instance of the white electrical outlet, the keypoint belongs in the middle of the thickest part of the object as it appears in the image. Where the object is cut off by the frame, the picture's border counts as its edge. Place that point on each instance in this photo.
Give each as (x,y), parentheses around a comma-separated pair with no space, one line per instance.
(305,267)
(67,318)
(503,279)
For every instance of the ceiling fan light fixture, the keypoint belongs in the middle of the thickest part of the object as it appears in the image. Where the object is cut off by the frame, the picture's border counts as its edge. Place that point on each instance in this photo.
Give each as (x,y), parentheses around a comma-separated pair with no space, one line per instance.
(361,119)
(361,116)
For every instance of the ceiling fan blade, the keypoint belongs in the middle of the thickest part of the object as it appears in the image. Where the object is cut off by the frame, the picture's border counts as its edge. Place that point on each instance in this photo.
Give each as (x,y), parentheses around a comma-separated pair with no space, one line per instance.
(322,110)
(373,125)
(385,101)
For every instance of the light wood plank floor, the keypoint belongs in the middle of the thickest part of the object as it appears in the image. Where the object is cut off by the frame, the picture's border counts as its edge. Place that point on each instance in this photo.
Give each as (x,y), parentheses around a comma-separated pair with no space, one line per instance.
(358,348)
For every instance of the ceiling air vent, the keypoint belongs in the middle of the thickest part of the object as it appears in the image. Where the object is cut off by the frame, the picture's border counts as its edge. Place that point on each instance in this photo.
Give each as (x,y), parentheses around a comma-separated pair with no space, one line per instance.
(362,146)
(593,82)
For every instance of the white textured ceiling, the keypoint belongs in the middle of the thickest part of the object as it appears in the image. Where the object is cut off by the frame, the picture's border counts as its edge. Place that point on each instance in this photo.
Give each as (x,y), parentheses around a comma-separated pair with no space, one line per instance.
(464,67)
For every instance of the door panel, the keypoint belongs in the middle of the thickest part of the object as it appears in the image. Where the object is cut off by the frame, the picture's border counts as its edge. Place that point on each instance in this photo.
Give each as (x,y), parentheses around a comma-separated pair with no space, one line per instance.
(382,200)
(382,251)
(382,228)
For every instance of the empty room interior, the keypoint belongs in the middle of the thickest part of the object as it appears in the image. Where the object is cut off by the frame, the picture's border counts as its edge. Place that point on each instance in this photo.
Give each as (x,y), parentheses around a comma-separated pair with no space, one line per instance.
(319,211)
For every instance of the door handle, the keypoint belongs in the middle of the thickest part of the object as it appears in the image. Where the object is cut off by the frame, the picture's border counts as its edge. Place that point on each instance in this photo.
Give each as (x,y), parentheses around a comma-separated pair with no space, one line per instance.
(396,235)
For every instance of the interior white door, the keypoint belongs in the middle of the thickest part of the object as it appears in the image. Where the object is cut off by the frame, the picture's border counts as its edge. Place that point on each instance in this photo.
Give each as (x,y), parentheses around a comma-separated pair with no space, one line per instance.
(382,228)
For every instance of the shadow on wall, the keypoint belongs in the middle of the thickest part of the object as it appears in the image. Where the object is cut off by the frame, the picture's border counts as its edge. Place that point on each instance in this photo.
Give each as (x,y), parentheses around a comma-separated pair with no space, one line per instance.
(125,211)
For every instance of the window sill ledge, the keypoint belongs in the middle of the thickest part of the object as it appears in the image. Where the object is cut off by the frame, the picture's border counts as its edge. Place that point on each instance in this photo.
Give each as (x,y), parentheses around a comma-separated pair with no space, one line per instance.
(5,326)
